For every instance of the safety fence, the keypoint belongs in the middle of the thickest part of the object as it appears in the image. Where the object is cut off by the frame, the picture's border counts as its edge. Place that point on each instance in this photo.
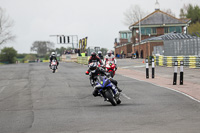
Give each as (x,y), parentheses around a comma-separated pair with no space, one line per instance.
(82,60)
(190,61)
(69,58)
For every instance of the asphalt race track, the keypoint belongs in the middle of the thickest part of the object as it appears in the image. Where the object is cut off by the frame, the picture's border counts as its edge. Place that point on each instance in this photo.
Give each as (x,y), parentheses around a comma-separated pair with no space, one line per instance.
(35,100)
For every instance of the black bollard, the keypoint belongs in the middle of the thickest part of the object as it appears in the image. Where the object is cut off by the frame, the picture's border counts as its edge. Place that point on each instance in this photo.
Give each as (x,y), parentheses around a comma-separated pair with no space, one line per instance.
(153,68)
(147,68)
(175,72)
(181,72)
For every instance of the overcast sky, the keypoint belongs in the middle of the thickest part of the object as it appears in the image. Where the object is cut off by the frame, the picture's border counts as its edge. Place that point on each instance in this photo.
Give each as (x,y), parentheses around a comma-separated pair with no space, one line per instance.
(99,20)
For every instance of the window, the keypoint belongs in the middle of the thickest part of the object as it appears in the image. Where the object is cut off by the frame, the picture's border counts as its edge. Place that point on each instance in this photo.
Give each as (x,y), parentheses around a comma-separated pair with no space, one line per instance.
(154,30)
(123,35)
(177,29)
(146,31)
(166,29)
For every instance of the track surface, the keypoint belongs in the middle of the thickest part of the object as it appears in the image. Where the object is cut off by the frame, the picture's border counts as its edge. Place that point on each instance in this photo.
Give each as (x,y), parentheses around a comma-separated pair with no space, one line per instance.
(34,100)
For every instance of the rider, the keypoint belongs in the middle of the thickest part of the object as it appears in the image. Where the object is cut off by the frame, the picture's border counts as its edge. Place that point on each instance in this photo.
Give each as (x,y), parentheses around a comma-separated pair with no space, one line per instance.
(100,55)
(53,57)
(110,57)
(101,71)
(93,58)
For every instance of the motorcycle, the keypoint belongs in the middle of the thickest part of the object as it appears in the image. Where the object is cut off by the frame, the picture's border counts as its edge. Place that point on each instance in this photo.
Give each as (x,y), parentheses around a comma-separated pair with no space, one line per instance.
(104,87)
(110,67)
(53,66)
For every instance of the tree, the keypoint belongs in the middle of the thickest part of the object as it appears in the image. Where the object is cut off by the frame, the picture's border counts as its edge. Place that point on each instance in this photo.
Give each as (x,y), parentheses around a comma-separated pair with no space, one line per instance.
(133,15)
(169,11)
(183,11)
(104,51)
(61,50)
(193,12)
(8,54)
(30,57)
(190,11)
(42,47)
(6,25)
(193,28)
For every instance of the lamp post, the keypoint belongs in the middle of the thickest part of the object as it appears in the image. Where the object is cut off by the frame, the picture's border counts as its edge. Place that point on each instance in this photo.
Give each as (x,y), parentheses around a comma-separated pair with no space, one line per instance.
(138,40)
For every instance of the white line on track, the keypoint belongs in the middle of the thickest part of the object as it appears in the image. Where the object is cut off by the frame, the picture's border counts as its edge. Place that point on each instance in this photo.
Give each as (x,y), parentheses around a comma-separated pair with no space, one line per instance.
(125,96)
(132,66)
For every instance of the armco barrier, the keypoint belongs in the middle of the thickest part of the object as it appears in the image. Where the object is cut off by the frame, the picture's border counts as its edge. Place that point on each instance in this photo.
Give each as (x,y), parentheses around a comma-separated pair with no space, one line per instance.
(45,60)
(160,60)
(190,61)
(69,58)
(83,60)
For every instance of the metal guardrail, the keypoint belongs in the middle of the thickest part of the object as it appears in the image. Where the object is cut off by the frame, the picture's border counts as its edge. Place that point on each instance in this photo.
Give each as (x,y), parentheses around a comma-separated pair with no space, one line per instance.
(82,60)
(190,61)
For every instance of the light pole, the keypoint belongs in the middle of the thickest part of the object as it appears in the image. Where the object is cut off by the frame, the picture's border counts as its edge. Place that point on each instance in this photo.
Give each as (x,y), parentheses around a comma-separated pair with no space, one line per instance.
(138,40)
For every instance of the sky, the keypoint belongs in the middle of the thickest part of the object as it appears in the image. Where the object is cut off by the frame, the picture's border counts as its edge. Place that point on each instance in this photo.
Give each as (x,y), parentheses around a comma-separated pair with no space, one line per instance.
(99,20)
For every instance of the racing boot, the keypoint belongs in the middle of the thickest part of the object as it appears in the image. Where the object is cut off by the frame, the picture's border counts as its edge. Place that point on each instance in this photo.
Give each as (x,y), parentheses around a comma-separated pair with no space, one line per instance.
(118,89)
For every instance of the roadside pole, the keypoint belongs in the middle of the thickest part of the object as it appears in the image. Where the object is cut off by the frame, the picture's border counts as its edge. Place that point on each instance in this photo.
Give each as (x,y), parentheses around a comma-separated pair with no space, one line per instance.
(147,68)
(153,68)
(175,72)
(181,72)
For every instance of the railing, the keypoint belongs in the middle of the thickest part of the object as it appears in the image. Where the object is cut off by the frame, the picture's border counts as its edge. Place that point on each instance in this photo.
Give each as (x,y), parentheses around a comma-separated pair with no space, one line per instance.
(190,61)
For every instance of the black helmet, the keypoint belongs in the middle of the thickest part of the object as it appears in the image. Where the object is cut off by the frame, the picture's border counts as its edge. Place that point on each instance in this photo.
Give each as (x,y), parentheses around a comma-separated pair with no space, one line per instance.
(93,54)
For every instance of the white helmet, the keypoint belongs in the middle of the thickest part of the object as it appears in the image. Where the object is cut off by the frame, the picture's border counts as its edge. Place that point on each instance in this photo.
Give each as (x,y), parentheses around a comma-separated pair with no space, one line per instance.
(99,52)
(53,54)
(109,53)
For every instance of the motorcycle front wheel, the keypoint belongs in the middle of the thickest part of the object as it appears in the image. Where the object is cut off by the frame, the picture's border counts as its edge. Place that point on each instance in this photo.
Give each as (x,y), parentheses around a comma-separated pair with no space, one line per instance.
(108,94)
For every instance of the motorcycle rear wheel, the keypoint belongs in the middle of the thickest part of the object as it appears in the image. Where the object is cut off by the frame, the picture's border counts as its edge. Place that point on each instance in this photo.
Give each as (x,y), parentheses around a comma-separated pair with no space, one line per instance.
(111,74)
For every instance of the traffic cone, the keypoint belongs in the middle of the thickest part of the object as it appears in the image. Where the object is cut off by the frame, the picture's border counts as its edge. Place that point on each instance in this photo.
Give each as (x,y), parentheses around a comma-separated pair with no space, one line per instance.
(143,61)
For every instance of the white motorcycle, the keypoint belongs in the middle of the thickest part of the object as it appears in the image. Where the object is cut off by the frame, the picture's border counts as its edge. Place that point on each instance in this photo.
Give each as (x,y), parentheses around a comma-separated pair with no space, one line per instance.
(53,66)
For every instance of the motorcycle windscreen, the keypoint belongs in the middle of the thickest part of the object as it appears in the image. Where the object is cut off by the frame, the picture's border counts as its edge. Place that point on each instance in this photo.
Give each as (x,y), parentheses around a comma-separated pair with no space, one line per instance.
(107,82)
(100,79)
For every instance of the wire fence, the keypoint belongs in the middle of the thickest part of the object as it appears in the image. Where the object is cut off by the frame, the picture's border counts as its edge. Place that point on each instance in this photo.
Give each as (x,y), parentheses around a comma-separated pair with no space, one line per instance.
(182,47)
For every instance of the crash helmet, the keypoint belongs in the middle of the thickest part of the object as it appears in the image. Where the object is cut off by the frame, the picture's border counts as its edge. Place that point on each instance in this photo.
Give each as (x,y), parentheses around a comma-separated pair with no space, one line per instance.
(109,53)
(99,53)
(93,54)
(53,54)
(93,66)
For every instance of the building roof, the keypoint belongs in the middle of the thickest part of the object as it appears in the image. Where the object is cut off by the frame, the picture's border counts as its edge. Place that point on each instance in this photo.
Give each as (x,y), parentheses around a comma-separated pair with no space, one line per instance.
(125,31)
(159,17)
(169,36)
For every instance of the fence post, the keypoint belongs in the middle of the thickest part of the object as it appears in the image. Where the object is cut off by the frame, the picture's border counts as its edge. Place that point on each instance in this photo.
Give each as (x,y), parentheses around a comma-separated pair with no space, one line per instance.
(181,72)
(175,72)
(153,68)
(147,68)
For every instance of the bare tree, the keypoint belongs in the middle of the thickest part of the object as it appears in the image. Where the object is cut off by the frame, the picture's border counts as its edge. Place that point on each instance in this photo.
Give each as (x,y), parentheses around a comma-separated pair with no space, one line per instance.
(133,15)
(6,25)
(184,11)
(42,47)
(169,11)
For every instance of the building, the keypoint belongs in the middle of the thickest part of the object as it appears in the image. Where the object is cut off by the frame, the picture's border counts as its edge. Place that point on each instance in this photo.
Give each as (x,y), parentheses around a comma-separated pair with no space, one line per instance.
(123,43)
(155,24)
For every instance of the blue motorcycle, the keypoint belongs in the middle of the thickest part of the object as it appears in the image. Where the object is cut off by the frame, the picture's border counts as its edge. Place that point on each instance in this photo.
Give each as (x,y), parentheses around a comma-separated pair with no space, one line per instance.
(105,89)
